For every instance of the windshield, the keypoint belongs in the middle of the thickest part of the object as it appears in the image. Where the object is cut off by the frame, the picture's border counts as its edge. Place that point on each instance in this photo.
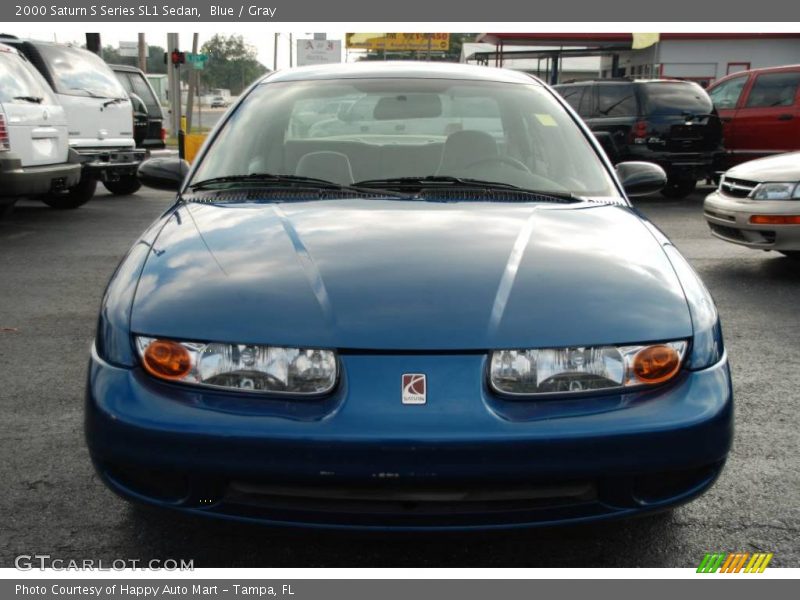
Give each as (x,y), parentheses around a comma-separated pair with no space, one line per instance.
(353,130)
(677,98)
(78,72)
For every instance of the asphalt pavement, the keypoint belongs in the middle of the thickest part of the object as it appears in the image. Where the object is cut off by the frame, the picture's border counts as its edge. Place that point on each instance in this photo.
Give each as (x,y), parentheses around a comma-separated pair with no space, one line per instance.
(53,269)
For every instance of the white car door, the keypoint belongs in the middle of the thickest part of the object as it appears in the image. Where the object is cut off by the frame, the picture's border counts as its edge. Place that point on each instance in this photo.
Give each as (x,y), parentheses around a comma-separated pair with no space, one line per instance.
(36,124)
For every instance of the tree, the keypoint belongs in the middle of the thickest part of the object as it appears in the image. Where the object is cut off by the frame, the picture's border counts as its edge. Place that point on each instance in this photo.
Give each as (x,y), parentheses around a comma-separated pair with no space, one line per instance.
(232,64)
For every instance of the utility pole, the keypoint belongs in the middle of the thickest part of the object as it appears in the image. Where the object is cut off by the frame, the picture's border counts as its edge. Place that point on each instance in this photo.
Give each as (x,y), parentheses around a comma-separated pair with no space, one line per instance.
(174,83)
(142,53)
(275,54)
(93,44)
(192,86)
(290,50)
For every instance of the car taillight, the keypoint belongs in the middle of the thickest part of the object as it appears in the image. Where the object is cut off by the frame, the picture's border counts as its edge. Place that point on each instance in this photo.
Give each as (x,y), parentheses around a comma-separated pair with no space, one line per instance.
(4,144)
(163,135)
(639,132)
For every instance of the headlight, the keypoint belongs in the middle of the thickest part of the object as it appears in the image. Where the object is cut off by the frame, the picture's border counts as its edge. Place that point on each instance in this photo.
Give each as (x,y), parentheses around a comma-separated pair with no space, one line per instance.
(246,367)
(574,370)
(776,191)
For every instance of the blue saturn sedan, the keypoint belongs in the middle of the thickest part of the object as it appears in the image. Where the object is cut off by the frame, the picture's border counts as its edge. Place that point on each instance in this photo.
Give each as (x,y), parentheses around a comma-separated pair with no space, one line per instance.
(412,296)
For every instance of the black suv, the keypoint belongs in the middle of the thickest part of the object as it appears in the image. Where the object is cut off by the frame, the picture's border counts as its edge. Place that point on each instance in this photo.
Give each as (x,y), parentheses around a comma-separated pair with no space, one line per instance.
(148,118)
(669,122)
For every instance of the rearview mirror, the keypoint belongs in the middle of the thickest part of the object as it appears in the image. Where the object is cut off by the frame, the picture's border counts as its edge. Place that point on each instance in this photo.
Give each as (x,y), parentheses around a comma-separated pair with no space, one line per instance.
(165,173)
(641,178)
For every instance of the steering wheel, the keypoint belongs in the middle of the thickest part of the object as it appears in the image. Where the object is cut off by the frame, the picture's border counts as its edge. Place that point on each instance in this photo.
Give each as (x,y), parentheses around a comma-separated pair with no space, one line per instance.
(506,160)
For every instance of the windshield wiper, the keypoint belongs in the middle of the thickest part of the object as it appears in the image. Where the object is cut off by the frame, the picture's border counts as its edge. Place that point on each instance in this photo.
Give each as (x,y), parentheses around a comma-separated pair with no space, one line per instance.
(113,101)
(449,181)
(34,99)
(292,180)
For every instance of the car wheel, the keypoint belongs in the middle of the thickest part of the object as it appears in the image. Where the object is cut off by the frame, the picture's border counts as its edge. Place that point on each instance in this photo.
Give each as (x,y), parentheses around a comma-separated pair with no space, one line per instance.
(793,254)
(74,197)
(124,186)
(678,188)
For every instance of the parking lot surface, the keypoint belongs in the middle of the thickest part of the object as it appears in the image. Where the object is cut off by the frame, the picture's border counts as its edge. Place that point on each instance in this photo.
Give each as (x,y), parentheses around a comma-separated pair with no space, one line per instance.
(53,269)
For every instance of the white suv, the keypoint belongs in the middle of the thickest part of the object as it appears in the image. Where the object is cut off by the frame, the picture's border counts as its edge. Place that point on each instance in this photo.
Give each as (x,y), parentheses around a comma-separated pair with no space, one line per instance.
(99,113)
(35,158)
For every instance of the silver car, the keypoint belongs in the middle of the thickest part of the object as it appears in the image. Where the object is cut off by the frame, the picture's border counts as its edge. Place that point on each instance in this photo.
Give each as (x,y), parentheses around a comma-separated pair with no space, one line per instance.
(757,204)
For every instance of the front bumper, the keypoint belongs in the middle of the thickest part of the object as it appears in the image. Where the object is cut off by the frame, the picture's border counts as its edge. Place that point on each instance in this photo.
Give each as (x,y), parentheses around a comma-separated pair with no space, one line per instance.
(16,180)
(729,220)
(110,164)
(360,458)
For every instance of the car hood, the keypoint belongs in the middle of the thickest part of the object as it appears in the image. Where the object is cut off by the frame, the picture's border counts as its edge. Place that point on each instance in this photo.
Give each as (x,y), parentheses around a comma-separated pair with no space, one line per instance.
(778,168)
(408,275)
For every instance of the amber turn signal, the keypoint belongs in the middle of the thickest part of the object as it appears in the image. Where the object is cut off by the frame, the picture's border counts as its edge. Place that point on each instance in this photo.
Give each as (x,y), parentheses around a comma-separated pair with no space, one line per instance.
(775,219)
(167,360)
(656,364)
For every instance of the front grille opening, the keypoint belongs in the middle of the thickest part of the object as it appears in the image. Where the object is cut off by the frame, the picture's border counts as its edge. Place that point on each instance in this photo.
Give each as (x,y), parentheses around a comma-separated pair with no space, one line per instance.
(727,232)
(737,188)
(157,484)
(408,500)
(666,485)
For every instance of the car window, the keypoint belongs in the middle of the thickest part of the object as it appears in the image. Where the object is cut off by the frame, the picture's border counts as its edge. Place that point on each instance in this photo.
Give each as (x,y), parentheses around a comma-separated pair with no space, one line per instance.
(78,72)
(141,89)
(572,94)
(726,94)
(675,98)
(516,134)
(19,79)
(616,100)
(773,89)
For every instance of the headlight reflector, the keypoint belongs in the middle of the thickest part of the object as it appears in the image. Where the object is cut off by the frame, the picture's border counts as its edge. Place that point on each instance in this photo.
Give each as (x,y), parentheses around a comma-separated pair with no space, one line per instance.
(776,191)
(581,369)
(245,367)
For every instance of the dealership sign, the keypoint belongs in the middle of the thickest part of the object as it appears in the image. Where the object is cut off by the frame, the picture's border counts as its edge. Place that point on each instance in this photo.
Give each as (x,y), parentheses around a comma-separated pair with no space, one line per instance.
(318,52)
(129,48)
(399,41)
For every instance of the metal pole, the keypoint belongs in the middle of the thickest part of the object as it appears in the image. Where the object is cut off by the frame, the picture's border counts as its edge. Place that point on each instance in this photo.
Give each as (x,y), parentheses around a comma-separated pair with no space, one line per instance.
(290,50)
(275,54)
(174,79)
(192,87)
(142,53)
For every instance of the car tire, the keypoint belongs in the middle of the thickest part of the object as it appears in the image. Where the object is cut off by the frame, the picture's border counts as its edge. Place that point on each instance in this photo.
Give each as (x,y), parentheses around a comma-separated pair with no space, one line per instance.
(123,187)
(793,254)
(76,196)
(678,188)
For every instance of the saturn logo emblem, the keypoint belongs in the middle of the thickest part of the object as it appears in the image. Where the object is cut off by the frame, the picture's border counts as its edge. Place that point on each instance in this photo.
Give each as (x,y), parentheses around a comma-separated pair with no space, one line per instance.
(414,388)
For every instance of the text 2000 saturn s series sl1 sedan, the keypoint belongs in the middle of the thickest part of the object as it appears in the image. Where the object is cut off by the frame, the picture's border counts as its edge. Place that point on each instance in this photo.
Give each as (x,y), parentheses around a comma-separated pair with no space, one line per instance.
(406,296)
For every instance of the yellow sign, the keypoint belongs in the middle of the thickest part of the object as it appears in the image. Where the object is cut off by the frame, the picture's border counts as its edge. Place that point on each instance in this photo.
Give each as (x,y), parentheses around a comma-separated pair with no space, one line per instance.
(644,40)
(398,41)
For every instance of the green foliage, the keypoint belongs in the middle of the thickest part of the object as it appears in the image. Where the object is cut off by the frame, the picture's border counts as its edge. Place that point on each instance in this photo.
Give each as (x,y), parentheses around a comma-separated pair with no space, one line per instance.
(232,63)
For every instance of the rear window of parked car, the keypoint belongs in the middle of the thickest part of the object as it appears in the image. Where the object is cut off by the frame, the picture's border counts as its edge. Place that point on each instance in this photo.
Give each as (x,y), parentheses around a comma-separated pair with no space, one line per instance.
(773,89)
(616,100)
(18,79)
(675,97)
(78,72)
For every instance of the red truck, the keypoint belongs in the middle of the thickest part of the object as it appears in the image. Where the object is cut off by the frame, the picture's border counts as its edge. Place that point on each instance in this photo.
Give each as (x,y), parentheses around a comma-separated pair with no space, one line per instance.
(760,112)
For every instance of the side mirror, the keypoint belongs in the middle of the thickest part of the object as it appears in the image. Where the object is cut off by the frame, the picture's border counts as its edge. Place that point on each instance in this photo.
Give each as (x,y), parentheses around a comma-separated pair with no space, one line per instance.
(165,173)
(641,178)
